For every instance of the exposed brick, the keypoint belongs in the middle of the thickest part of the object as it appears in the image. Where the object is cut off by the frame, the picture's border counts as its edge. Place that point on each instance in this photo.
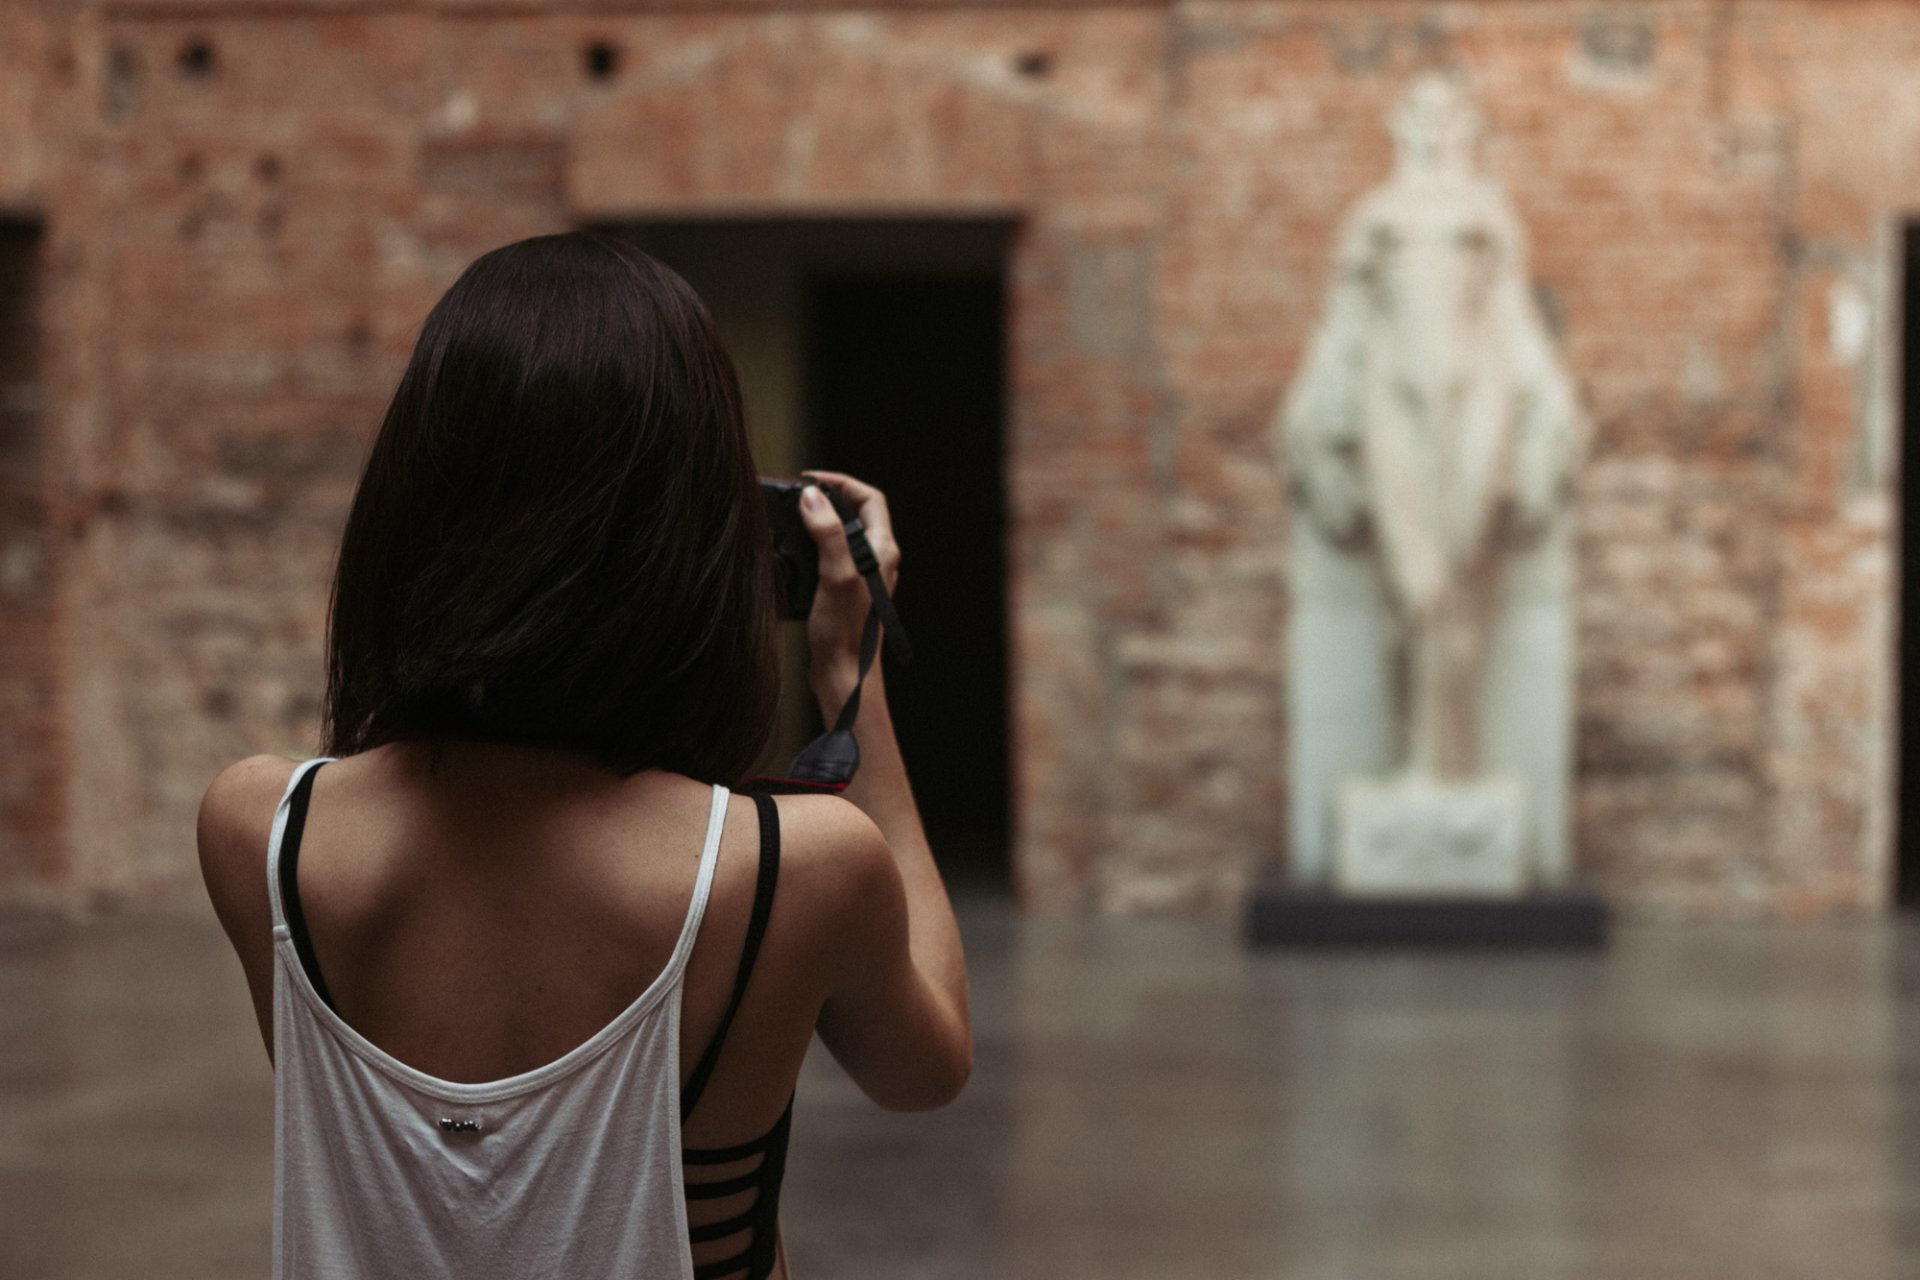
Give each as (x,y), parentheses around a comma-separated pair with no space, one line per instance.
(248,207)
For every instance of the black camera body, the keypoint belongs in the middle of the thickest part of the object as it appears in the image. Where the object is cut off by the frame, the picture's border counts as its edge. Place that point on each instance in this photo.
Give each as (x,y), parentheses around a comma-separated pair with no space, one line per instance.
(798,555)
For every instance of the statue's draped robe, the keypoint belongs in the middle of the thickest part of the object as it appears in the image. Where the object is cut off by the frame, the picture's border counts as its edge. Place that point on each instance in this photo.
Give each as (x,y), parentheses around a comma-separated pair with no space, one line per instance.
(1429,440)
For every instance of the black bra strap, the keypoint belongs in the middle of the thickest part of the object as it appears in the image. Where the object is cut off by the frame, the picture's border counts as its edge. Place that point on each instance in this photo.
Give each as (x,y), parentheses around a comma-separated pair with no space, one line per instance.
(756,930)
(290,882)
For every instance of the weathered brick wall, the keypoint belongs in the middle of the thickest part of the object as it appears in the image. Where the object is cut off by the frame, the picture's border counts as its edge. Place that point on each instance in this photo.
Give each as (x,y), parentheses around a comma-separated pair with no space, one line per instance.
(1834,82)
(249,207)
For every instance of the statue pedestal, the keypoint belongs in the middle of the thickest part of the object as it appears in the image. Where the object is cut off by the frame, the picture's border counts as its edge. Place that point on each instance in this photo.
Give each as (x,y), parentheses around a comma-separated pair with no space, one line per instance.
(1421,862)
(1418,836)
(1286,915)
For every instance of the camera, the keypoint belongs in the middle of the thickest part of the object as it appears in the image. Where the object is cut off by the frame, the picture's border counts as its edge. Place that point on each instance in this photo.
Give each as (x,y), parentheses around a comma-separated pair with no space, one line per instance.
(829,761)
(798,571)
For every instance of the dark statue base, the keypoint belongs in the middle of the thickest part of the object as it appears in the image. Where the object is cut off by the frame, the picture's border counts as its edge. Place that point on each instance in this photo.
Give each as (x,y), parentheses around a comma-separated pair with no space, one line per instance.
(1286,915)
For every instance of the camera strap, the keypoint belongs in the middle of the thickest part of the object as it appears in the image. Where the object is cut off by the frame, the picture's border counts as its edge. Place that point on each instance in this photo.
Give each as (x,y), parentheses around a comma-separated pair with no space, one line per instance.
(829,762)
(867,565)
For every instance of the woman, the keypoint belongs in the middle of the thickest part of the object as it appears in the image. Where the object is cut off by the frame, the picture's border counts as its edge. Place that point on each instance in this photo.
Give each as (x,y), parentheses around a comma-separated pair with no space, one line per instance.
(537,985)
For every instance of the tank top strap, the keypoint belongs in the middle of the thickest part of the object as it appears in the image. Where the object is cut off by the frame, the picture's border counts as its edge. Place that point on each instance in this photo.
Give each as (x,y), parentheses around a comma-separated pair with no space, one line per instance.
(702,883)
(289,820)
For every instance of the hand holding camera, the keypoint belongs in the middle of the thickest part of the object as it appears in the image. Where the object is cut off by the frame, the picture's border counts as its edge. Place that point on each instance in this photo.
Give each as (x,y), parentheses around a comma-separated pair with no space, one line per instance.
(838,562)
(843,598)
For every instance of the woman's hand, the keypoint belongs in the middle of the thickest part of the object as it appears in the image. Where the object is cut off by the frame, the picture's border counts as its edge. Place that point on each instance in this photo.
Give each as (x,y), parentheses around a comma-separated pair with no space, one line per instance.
(841,604)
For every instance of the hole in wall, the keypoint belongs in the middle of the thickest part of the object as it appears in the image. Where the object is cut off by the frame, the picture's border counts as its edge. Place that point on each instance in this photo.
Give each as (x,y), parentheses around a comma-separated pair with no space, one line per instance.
(196,59)
(119,87)
(1618,42)
(1035,64)
(602,59)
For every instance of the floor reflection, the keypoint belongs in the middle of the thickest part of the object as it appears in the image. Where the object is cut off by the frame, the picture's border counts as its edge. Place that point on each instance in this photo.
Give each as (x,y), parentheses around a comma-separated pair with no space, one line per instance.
(1150,1100)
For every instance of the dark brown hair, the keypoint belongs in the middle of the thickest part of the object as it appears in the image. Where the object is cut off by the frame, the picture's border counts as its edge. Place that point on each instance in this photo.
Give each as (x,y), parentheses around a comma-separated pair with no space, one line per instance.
(558,537)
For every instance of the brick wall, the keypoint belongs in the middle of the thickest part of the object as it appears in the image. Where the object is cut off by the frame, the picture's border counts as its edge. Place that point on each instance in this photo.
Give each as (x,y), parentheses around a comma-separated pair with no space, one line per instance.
(249,207)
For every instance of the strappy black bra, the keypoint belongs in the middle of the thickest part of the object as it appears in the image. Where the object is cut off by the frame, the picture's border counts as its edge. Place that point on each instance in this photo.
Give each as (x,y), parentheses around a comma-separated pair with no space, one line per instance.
(764,1158)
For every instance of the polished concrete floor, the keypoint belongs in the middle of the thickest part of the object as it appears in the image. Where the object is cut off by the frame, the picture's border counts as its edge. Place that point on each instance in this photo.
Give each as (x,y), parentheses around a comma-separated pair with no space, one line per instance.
(1150,1100)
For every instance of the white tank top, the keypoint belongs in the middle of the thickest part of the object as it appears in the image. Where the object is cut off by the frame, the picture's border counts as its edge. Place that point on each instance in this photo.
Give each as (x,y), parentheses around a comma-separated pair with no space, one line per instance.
(571,1170)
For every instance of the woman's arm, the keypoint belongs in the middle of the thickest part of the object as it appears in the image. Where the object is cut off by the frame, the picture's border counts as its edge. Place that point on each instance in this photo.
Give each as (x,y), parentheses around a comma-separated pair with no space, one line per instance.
(898,1018)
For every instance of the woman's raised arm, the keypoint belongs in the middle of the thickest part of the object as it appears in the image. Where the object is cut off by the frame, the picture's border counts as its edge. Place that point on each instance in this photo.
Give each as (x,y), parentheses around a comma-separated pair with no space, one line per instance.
(898,1019)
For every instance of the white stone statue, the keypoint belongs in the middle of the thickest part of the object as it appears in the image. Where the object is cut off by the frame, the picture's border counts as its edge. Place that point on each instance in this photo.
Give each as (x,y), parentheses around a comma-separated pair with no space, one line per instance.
(1429,440)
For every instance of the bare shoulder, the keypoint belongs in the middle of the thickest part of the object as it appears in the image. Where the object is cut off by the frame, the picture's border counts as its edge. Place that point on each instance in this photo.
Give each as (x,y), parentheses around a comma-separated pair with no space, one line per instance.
(236,819)
(830,843)
(242,797)
(836,866)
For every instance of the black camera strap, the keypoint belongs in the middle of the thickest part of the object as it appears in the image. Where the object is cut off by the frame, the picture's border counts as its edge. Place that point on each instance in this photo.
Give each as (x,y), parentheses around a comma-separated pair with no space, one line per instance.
(867,565)
(829,762)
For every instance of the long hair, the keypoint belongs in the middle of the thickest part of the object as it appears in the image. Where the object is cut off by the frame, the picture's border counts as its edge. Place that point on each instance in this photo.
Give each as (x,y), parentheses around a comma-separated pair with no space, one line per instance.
(558,537)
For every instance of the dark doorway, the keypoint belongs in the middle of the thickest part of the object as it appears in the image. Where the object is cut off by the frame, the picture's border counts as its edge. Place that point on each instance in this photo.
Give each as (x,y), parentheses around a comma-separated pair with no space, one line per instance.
(904,388)
(1907,819)
(30,756)
(876,347)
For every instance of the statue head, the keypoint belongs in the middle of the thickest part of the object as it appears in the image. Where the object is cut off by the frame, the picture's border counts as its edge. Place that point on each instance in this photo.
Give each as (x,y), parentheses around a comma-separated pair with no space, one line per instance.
(1434,253)
(1435,127)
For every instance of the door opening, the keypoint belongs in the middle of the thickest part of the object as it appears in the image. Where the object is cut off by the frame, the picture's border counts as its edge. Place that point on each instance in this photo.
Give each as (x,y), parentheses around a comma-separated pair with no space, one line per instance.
(904,389)
(1907,804)
(30,759)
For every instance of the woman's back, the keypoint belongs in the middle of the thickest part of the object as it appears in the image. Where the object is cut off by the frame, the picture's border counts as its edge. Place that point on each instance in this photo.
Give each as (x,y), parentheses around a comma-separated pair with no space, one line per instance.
(553,610)
(481,919)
